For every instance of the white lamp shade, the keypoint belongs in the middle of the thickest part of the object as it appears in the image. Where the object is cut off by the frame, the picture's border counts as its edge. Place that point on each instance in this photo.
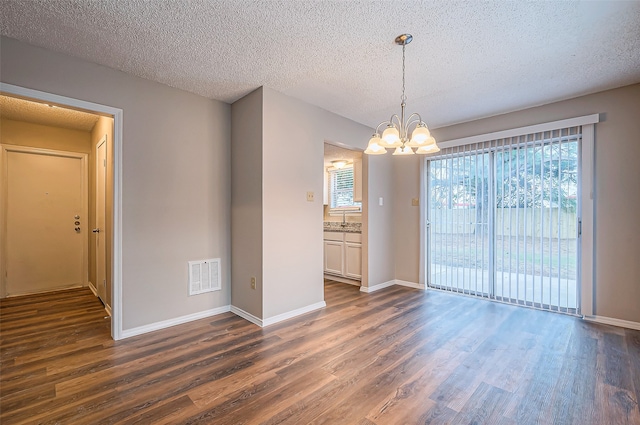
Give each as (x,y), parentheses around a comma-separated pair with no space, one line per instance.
(403,151)
(390,138)
(420,133)
(433,148)
(420,137)
(374,147)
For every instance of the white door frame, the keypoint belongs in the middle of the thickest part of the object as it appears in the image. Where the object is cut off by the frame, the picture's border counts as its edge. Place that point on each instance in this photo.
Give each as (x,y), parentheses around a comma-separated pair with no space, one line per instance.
(84,189)
(116,253)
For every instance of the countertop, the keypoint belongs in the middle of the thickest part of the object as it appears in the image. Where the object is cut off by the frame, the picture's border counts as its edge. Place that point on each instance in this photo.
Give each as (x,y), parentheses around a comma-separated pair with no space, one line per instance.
(336,226)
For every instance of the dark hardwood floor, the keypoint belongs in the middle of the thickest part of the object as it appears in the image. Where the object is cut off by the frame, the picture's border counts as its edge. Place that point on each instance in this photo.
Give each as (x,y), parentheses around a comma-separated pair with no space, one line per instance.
(396,356)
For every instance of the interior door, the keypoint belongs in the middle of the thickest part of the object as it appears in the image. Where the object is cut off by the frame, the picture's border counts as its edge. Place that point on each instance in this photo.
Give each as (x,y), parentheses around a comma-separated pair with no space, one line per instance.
(45,220)
(99,231)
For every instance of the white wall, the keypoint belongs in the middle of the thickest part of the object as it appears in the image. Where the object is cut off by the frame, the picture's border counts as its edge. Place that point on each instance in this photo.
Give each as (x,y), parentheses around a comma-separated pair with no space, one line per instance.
(617,195)
(176,177)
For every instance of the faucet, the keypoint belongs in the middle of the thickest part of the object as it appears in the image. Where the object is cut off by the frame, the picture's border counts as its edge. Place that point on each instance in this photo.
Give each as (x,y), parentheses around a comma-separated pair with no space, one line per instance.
(344,222)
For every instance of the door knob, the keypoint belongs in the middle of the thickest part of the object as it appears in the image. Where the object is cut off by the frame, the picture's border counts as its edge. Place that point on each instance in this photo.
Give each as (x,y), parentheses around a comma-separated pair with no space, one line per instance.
(96,230)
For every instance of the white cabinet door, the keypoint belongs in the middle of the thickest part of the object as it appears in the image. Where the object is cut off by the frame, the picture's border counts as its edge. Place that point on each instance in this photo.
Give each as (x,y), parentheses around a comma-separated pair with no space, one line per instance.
(333,257)
(353,260)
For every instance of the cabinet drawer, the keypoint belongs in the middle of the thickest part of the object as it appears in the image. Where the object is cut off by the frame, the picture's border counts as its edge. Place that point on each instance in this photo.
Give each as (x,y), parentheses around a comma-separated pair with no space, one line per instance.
(353,237)
(333,236)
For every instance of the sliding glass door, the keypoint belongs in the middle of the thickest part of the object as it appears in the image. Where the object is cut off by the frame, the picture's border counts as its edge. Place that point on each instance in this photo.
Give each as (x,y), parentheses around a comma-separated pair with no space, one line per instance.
(502,220)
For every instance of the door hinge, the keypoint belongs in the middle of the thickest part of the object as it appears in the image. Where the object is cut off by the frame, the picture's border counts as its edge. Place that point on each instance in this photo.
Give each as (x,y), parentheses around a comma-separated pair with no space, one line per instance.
(579,227)
(104,162)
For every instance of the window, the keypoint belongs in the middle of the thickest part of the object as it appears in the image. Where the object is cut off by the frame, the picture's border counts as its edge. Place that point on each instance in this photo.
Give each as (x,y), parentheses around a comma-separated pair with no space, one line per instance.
(509,216)
(341,183)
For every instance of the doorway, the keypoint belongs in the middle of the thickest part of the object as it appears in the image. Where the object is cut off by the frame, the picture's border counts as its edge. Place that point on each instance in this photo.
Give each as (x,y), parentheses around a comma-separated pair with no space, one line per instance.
(503,220)
(342,214)
(114,242)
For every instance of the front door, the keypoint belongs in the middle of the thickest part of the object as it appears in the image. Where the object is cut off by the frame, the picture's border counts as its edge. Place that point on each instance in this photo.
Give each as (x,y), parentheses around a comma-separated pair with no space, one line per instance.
(46,220)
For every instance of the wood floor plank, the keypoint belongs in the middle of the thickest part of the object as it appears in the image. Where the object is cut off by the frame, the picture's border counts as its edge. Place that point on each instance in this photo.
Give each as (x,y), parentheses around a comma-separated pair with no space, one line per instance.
(633,346)
(394,356)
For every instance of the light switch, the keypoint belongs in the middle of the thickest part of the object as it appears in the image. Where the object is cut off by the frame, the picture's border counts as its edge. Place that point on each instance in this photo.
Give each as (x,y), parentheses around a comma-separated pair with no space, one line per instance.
(380,201)
(310,196)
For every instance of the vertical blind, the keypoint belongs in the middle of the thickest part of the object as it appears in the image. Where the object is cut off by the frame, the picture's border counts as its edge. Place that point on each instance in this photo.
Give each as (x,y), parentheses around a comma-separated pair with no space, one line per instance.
(503,219)
(341,183)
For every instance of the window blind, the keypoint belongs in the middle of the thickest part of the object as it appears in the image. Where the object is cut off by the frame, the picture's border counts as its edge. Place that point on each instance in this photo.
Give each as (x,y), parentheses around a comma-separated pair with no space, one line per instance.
(503,219)
(341,183)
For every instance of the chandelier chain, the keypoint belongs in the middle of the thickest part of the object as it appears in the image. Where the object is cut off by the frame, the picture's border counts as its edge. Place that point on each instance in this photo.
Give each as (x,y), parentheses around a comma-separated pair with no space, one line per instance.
(403,98)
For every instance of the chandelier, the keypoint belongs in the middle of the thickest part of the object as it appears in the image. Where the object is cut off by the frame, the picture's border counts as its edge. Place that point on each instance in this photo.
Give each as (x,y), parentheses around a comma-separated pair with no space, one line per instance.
(397,131)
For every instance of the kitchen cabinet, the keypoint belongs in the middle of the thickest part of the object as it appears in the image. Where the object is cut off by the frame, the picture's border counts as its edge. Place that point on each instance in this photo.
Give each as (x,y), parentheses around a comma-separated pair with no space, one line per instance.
(333,255)
(343,254)
(353,260)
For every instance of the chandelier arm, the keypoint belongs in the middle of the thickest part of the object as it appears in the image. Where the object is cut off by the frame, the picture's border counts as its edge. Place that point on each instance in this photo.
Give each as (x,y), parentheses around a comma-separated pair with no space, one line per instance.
(398,122)
(381,124)
(412,122)
(415,114)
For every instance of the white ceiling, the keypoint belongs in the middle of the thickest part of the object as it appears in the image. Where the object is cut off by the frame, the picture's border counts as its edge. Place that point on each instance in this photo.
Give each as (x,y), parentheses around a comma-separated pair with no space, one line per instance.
(13,108)
(335,153)
(468,59)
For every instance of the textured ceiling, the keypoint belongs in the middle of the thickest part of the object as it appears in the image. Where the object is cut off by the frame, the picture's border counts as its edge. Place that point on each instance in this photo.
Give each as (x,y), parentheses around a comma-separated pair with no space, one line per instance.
(468,59)
(334,153)
(39,113)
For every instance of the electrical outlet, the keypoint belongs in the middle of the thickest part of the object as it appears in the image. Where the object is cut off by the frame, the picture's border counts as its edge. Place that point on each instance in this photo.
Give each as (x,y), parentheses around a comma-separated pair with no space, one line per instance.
(253,282)
(415,202)
(310,196)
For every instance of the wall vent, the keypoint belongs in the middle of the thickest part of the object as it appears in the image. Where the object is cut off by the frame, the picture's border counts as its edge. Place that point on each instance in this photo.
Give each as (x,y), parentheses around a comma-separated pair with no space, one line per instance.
(204,276)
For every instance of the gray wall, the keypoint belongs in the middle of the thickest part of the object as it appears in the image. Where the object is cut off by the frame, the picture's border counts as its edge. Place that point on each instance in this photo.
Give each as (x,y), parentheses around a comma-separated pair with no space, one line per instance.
(380,225)
(246,203)
(617,194)
(406,183)
(176,177)
(293,139)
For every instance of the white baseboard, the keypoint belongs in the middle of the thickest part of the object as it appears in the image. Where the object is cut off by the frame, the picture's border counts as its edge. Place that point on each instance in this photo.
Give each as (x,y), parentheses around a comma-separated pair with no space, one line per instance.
(343,280)
(377,287)
(246,316)
(615,322)
(127,333)
(107,308)
(293,313)
(280,317)
(391,283)
(410,284)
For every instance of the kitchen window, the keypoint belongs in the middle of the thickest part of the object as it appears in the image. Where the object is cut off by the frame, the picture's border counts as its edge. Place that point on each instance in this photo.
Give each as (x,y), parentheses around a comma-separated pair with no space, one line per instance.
(341,191)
